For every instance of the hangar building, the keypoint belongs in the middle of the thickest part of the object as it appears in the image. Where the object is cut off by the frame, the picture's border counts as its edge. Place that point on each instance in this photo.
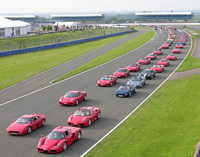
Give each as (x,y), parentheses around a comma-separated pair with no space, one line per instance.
(78,17)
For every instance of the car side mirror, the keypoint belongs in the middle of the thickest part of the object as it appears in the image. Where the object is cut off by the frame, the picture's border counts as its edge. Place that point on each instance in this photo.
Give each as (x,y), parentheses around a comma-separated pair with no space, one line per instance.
(42,136)
(72,113)
(14,120)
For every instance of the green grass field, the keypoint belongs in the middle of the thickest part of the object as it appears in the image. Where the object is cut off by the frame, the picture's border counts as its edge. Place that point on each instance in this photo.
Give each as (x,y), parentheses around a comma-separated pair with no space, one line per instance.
(16,68)
(118,51)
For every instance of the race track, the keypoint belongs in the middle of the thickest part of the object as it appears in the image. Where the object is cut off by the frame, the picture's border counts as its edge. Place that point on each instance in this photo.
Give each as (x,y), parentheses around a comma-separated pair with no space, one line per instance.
(113,109)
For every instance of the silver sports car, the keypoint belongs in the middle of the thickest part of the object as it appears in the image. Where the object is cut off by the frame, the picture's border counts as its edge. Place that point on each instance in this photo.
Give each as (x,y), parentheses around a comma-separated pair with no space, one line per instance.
(137,81)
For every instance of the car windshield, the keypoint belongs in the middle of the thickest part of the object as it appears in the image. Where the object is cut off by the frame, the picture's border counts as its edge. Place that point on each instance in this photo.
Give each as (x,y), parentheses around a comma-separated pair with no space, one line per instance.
(82,113)
(163,60)
(137,78)
(123,88)
(121,70)
(105,78)
(156,66)
(56,135)
(23,120)
(143,58)
(70,94)
(132,65)
(146,71)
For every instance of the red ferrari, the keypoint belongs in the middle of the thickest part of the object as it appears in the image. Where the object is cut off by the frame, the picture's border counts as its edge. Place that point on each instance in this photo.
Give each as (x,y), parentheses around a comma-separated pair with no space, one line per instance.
(133,66)
(158,52)
(26,124)
(165,46)
(144,61)
(122,72)
(180,46)
(164,62)
(59,139)
(151,56)
(84,116)
(183,39)
(171,56)
(176,50)
(107,80)
(158,68)
(73,98)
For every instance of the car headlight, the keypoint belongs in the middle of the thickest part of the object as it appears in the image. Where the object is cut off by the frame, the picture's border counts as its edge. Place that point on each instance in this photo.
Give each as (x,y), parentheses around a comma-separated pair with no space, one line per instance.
(72,100)
(69,118)
(39,143)
(98,82)
(58,145)
(60,99)
(108,82)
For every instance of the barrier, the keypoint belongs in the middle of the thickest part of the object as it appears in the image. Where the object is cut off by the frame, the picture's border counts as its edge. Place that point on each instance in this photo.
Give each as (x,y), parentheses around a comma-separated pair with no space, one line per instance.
(39,48)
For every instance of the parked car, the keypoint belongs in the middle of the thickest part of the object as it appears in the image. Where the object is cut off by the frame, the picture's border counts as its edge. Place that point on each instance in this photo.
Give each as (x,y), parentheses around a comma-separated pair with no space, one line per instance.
(59,139)
(137,81)
(84,116)
(26,124)
(125,91)
(73,98)
(148,73)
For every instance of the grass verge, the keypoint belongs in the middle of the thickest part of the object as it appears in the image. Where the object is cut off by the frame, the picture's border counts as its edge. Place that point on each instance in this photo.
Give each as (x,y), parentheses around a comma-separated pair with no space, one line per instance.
(118,51)
(14,69)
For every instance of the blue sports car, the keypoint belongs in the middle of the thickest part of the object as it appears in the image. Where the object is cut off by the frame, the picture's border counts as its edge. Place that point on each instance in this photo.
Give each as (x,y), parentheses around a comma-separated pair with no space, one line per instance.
(125,91)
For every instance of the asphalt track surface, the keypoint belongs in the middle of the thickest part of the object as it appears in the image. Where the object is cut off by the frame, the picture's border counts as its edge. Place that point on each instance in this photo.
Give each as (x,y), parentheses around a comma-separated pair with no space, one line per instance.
(45,101)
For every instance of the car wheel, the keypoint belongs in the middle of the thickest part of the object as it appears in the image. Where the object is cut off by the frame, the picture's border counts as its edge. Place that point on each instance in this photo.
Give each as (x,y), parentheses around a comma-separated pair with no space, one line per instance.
(64,146)
(29,130)
(76,102)
(89,122)
(129,94)
(79,135)
(43,122)
(99,115)
(85,97)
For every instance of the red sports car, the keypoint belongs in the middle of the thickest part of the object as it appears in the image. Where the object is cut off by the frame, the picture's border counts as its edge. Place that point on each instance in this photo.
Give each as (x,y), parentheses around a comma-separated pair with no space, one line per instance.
(171,56)
(172,37)
(165,46)
(26,124)
(180,46)
(84,116)
(144,61)
(158,52)
(151,56)
(122,72)
(183,39)
(73,98)
(158,68)
(59,139)
(164,62)
(133,67)
(176,50)
(107,80)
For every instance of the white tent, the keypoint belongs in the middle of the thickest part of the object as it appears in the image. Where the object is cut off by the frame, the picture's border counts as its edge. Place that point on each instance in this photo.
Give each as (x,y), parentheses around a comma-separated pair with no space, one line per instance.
(9,27)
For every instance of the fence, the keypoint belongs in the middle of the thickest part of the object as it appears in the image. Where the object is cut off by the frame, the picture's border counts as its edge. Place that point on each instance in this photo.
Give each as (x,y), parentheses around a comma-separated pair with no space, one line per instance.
(63,42)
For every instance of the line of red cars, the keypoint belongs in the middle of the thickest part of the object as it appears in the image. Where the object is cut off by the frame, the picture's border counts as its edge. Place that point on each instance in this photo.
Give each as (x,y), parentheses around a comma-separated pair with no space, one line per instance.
(63,136)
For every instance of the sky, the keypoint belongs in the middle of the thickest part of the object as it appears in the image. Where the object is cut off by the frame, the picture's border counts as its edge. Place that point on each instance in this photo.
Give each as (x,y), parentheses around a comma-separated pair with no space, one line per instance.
(94,6)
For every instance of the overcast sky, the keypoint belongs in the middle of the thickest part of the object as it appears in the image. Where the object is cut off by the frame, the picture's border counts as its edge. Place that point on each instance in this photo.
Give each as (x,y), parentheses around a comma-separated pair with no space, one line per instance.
(95,6)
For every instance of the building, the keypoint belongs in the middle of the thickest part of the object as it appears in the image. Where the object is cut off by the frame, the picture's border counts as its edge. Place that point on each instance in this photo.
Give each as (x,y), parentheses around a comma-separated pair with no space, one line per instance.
(25,18)
(78,17)
(164,15)
(10,28)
